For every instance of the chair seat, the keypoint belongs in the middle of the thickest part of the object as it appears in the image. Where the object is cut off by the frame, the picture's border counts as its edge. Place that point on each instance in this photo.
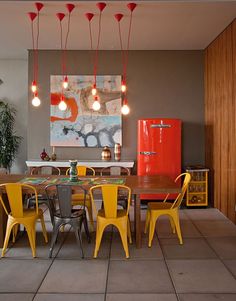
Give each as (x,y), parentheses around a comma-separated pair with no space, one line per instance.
(159,206)
(120,213)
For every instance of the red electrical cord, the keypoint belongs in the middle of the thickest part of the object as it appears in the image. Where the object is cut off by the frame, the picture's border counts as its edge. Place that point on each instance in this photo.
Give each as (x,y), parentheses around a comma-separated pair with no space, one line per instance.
(127,49)
(34,56)
(96,52)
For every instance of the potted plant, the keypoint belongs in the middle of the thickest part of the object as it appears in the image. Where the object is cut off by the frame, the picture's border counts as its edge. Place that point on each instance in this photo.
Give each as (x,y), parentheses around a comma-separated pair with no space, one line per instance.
(9,142)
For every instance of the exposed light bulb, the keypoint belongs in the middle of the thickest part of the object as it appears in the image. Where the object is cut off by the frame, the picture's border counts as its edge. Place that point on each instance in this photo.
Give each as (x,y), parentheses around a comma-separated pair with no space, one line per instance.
(62,105)
(65,83)
(96,105)
(125,109)
(123,87)
(34,86)
(94,90)
(36,101)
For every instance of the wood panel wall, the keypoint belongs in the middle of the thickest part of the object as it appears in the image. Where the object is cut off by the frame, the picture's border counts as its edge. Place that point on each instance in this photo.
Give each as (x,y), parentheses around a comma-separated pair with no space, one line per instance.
(220,120)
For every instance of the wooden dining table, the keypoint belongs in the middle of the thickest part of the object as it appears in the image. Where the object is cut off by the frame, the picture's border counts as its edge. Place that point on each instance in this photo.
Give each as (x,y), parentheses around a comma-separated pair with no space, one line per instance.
(154,184)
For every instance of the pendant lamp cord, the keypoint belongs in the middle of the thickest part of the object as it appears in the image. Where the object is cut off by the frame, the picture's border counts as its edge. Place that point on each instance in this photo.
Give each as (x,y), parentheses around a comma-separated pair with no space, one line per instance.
(34,51)
(127,50)
(96,53)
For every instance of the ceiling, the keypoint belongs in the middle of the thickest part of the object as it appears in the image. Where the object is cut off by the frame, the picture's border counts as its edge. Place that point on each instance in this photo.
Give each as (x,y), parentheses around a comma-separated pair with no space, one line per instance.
(157,25)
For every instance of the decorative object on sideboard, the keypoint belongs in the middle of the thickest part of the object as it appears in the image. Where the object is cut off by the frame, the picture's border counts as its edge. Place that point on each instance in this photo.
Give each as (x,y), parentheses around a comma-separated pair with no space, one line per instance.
(106,154)
(117,152)
(73,171)
(44,156)
(9,142)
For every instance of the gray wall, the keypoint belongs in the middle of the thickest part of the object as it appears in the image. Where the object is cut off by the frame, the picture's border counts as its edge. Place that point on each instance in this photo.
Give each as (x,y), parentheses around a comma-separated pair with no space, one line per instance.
(14,75)
(161,84)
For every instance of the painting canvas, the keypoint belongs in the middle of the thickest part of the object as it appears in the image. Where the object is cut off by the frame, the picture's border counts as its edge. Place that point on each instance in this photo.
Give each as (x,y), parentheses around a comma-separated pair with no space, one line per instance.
(79,124)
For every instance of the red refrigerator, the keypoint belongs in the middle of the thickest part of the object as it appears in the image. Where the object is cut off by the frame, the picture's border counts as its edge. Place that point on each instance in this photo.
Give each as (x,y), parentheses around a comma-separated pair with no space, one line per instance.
(159,149)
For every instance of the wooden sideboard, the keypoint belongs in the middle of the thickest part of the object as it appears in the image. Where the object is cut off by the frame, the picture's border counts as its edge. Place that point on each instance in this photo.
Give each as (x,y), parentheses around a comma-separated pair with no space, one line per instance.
(96,164)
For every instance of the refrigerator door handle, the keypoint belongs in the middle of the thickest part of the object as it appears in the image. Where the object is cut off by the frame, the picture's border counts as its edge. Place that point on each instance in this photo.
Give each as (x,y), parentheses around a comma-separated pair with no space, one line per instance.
(160,126)
(148,153)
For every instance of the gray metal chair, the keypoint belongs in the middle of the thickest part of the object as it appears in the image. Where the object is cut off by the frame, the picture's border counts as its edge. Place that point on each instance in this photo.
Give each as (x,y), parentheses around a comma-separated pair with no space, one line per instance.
(117,171)
(59,199)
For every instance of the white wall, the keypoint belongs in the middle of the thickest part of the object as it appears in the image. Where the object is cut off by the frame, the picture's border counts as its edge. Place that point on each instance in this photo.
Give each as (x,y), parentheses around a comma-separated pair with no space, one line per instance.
(14,89)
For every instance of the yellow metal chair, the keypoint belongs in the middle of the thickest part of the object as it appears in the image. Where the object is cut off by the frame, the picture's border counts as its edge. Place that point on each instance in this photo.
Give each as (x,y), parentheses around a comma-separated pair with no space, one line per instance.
(78,198)
(18,215)
(155,210)
(110,215)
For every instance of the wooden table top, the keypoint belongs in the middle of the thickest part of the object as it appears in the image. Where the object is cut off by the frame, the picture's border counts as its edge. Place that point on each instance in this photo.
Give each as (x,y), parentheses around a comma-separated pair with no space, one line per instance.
(138,184)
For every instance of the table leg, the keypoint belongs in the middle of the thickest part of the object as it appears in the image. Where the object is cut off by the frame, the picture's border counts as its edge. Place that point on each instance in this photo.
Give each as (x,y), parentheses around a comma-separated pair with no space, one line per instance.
(137,222)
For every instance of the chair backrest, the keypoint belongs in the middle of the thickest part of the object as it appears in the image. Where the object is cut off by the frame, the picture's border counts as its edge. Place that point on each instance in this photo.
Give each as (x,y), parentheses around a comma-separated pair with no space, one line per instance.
(64,200)
(110,194)
(115,171)
(45,170)
(83,170)
(14,194)
(59,197)
(179,199)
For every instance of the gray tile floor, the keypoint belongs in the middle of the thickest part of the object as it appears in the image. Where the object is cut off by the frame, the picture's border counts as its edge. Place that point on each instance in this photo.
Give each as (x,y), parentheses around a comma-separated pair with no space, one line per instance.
(202,269)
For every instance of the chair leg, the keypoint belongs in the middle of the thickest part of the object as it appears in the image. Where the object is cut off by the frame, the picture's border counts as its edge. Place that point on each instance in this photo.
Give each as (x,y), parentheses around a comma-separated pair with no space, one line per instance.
(172,223)
(123,235)
(100,229)
(78,238)
(30,228)
(54,237)
(43,228)
(90,214)
(147,221)
(152,225)
(14,232)
(129,230)
(177,226)
(10,225)
(86,229)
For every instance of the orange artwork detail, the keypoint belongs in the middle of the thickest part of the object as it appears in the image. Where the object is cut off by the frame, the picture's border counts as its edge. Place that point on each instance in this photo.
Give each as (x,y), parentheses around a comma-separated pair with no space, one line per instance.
(71,105)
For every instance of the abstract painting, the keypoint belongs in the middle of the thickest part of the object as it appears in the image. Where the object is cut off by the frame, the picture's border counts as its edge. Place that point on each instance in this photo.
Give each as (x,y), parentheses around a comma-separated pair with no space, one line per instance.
(79,124)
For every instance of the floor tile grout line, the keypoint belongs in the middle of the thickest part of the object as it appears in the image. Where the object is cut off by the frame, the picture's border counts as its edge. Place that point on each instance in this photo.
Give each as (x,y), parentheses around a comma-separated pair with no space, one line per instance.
(167,267)
(108,266)
(219,258)
(53,259)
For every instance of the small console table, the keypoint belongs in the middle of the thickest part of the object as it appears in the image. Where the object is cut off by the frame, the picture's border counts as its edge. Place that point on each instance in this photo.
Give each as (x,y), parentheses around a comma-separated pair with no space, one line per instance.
(96,164)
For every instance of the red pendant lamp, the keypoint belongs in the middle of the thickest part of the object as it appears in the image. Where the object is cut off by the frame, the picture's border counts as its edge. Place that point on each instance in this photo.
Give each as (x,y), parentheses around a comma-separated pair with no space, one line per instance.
(125,108)
(62,104)
(96,104)
(70,8)
(34,87)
